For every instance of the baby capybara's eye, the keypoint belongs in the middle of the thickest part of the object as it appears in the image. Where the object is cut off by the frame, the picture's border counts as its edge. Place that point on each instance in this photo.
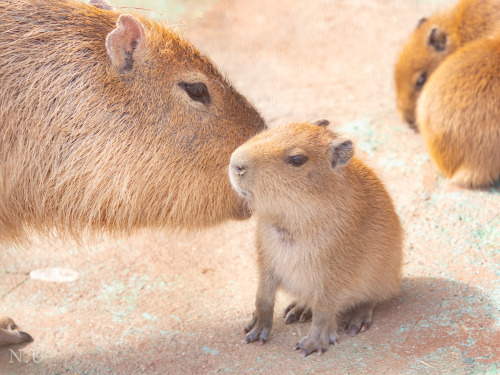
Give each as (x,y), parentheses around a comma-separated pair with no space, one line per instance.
(296,160)
(421,80)
(197,91)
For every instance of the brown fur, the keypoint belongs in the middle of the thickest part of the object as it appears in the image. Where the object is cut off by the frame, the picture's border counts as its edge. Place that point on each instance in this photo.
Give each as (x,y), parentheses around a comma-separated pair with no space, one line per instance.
(327,230)
(97,135)
(455,26)
(458,114)
(85,147)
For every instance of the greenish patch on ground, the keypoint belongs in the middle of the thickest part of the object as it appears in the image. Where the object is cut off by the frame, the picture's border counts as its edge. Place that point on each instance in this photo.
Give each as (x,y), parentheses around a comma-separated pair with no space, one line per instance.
(207,350)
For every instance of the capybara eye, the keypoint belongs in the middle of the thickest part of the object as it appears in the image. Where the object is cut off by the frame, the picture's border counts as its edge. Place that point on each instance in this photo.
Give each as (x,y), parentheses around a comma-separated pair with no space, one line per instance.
(197,91)
(421,80)
(296,160)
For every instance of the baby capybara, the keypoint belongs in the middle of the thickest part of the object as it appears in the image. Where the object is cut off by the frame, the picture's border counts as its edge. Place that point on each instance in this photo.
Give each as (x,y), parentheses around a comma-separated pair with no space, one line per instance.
(327,231)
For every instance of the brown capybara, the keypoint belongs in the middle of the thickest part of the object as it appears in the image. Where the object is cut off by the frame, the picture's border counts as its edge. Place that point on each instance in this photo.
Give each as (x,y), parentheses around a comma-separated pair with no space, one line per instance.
(458,114)
(327,231)
(109,123)
(433,40)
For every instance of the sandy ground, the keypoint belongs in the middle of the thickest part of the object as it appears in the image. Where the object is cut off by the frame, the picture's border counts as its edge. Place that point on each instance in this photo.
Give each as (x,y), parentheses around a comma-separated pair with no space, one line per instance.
(176,303)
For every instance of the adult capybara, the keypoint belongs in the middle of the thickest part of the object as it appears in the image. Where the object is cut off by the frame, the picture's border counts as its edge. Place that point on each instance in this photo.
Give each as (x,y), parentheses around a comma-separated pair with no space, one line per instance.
(433,40)
(458,114)
(110,122)
(327,231)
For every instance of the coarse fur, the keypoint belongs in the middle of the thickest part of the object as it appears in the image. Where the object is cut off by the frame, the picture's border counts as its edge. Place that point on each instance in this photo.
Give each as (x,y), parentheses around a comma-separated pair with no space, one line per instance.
(327,230)
(458,114)
(433,41)
(85,147)
(98,133)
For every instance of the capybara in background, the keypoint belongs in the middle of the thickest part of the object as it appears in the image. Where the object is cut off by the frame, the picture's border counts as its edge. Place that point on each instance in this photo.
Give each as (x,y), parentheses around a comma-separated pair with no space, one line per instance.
(327,231)
(433,40)
(458,114)
(111,122)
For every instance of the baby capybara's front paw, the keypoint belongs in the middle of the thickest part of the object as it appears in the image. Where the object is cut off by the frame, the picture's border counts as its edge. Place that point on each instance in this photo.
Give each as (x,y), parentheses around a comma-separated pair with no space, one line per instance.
(259,328)
(317,340)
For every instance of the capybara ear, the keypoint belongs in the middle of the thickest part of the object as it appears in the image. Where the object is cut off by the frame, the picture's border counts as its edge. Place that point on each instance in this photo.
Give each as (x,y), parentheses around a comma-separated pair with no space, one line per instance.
(420,22)
(124,42)
(340,152)
(437,39)
(102,4)
(323,123)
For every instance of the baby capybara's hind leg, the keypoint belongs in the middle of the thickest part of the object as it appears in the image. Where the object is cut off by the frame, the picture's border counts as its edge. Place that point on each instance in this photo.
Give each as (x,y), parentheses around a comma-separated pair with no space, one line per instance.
(10,335)
(358,319)
(296,311)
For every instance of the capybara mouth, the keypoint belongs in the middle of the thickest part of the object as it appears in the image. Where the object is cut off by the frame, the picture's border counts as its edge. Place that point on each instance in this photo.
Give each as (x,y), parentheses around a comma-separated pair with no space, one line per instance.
(242,192)
(244,210)
(412,123)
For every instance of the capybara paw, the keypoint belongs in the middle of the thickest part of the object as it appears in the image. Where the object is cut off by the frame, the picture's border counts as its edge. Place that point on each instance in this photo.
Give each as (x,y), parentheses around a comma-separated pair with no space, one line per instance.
(357,320)
(258,329)
(316,343)
(296,311)
(9,334)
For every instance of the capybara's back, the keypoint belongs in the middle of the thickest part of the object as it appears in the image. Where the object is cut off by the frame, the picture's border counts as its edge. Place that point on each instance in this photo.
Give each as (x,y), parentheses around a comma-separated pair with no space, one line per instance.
(110,122)
(459,114)
(434,40)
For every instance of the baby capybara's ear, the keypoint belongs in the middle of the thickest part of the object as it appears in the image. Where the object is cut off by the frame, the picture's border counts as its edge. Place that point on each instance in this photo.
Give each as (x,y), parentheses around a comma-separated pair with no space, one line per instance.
(125,42)
(323,123)
(340,152)
(420,22)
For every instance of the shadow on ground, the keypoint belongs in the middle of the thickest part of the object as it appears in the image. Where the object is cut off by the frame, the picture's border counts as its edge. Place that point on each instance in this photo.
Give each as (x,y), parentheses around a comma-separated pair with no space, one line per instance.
(432,326)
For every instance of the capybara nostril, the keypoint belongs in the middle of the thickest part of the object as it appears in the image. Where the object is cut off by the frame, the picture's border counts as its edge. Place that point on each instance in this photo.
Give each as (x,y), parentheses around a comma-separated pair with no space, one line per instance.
(240,169)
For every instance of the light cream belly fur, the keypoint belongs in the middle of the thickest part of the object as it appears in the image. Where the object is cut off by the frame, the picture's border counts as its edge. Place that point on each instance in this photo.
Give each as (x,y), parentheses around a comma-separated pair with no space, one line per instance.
(295,265)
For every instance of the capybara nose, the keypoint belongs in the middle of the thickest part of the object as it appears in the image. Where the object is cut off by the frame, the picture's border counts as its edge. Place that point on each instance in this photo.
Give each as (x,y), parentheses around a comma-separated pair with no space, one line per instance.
(410,119)
(240,169)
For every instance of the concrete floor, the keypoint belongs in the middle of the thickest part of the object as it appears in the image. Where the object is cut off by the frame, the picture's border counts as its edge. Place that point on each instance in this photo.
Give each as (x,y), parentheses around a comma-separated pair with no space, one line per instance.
(176,303)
